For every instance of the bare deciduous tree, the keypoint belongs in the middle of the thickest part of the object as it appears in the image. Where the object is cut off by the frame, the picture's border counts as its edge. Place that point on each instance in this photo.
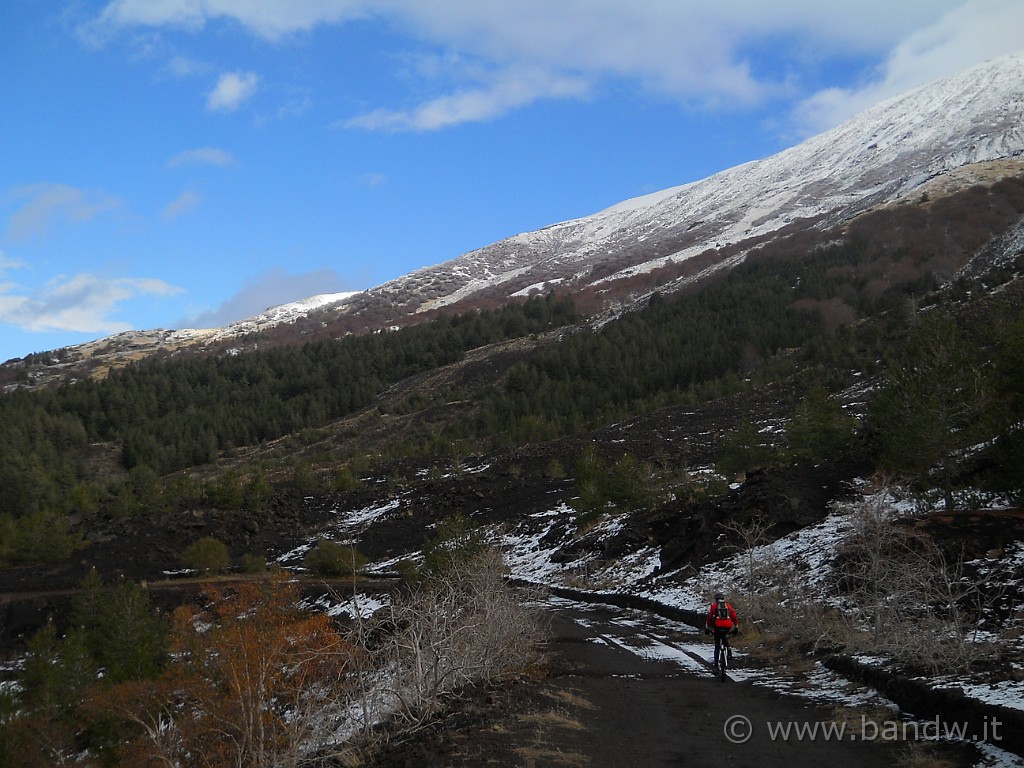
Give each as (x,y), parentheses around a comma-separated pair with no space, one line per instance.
(752,534)
(914,603)
(464,626)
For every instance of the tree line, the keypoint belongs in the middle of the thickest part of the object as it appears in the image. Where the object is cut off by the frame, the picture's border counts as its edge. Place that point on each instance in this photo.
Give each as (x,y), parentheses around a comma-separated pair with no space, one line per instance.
(949,370)
(764,320)
(165,415)
(840,308)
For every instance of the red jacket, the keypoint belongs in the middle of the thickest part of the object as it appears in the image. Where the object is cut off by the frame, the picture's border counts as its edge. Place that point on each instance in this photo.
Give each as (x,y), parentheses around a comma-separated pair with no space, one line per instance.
(714,621)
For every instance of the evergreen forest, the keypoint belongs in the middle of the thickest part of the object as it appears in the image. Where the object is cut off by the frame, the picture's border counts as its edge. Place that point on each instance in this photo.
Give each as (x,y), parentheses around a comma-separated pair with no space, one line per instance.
(813,318)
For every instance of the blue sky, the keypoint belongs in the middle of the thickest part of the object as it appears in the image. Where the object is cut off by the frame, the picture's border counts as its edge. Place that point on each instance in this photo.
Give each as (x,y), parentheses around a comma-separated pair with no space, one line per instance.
(188,163)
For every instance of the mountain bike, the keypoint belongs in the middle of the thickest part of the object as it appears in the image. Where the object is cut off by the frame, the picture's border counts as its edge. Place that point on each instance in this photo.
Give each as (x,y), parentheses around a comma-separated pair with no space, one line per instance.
(724,657)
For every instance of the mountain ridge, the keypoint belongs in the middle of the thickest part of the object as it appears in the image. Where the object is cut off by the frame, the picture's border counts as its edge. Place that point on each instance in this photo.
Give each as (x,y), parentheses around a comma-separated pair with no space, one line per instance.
(921,141)
(762,196)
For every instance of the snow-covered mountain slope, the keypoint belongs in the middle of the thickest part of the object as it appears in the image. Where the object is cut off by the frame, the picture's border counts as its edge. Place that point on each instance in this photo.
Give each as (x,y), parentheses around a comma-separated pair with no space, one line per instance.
(129,346)
(959,130)
(881,155)
(285,313)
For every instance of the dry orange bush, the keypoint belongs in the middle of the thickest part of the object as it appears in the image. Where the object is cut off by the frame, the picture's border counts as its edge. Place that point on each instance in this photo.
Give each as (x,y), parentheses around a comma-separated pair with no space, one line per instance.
(253,683)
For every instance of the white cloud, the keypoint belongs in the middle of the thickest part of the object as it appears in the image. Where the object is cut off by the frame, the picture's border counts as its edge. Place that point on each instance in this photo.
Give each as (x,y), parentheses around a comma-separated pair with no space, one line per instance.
(152,13)
(81,303)
(506,92)
(231,90)
(185,202)
(269,19)
(967,35)
(736,54)
(6,263)
(202,156)
(183,66)
(9,303)
(45,204)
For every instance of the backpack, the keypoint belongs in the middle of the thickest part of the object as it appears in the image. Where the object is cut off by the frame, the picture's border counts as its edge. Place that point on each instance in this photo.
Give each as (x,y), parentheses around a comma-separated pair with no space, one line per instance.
(722,610)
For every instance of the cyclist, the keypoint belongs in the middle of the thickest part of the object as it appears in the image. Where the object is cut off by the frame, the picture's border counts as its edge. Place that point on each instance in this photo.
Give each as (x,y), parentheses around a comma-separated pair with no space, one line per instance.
(721,621)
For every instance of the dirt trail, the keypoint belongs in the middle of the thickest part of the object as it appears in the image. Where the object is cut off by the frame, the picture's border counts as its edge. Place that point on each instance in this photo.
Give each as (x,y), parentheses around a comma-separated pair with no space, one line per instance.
(603,704)
(649,712)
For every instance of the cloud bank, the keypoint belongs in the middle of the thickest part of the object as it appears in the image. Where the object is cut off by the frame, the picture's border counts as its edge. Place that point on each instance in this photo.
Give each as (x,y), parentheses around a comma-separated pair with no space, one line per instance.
(966,35)
(81,303)
(712,55)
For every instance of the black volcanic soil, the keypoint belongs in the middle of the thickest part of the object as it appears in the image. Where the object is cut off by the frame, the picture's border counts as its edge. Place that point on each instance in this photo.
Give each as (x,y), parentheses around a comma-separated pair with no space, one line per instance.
(514,485)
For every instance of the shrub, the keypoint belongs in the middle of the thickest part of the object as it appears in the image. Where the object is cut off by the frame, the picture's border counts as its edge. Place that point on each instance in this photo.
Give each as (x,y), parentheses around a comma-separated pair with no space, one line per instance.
(226,492)
(457,541)
(345,480)
(591,474)
(54,671)
(208,555)
(633,484)
(900,596)
(555,470)
(250,563)
(742,451)
(37,537)
(257,490)
(407,570)
(123,631)
(304,479)
(463,626)
(329,558)
(917,607)
(936,402)
(253,681)
(627,485)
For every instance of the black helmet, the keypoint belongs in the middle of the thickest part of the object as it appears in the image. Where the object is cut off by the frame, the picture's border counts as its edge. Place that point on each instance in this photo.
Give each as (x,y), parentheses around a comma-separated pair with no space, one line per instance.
(719,596)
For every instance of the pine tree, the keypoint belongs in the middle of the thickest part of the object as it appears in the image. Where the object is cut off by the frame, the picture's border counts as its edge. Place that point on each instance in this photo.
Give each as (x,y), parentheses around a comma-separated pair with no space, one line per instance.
(936,401)
(820,429)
